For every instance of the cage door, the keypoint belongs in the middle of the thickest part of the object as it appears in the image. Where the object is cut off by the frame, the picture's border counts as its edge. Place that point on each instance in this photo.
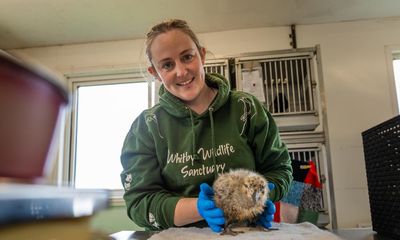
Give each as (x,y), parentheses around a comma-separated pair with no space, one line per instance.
(286,82)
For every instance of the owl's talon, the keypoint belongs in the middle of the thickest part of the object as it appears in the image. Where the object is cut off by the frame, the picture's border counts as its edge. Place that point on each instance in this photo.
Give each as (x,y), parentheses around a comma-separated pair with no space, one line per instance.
(230,231)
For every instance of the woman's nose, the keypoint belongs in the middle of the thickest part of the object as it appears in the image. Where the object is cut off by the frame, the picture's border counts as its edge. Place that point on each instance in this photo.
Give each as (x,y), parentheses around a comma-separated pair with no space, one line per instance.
(180,69)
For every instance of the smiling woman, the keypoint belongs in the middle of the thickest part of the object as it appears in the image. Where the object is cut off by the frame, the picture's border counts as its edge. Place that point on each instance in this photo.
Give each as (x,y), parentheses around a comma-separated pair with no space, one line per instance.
(201,128)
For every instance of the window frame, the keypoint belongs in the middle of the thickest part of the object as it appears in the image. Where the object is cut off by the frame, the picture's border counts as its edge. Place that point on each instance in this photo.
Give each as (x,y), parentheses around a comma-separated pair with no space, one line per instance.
(392,52)
(396,57)
(66,170)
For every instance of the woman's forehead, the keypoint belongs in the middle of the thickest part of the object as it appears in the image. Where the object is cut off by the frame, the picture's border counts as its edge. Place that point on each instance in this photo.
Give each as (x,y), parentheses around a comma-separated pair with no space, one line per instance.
(171,43)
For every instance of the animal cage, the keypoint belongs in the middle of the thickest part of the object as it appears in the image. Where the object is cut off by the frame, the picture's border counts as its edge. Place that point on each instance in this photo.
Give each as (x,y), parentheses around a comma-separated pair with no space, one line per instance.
(220,66)
(287,83)
(288,89)
(301,155)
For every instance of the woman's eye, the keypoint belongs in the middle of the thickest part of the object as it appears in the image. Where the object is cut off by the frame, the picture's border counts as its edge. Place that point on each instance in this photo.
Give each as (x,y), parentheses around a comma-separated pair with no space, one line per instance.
(167,65)
(187,57)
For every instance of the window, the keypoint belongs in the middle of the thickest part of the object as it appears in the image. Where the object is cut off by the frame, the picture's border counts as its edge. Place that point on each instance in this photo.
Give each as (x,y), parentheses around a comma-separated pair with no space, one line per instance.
(396,69)
(103,109)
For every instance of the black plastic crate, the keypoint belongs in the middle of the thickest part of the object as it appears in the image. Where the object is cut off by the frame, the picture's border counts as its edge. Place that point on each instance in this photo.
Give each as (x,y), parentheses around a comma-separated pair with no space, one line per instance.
(382,161)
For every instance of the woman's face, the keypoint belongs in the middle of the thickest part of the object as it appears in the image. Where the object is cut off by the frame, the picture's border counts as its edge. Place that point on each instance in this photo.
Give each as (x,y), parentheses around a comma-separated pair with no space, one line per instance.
(178,64)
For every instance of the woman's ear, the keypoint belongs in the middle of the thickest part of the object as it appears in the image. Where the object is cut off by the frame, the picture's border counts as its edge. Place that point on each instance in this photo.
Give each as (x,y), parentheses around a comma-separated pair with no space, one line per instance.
(153,72)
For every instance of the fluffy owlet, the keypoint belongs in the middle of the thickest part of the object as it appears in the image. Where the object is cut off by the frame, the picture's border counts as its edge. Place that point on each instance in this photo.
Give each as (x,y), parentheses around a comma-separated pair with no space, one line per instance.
(241,194)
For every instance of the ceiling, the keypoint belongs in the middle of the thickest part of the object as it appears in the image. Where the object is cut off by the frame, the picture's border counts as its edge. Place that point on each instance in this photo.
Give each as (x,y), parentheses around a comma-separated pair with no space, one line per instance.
(38,23)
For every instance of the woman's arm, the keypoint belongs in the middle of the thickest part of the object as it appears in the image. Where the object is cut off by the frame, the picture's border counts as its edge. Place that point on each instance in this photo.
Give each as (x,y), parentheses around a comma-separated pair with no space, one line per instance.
(149,204)
(186,212)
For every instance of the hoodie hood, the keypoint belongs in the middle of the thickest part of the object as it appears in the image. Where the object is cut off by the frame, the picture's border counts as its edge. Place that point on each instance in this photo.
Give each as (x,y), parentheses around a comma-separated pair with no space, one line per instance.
(177,108)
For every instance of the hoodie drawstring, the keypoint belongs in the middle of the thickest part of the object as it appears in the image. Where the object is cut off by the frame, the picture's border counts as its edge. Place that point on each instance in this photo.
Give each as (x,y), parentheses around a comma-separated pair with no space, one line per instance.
(210,110)
(195,156)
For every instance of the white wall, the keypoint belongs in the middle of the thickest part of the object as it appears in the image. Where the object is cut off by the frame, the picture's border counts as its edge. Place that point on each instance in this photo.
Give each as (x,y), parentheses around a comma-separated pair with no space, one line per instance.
(357,85)
(358,97)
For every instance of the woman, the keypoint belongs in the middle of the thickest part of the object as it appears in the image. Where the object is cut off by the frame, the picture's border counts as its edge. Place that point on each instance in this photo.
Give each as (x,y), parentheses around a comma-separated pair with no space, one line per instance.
(199,129)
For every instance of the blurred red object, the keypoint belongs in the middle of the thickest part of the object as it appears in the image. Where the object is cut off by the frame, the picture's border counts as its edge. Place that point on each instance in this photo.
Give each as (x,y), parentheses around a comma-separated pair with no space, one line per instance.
(31,104)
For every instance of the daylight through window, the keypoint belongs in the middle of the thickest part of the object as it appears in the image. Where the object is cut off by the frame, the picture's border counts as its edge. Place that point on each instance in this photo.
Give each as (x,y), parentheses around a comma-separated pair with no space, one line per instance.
(104,116)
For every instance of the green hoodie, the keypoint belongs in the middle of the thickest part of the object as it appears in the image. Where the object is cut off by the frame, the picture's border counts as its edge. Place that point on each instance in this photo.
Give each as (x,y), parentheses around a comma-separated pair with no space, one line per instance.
(170,150)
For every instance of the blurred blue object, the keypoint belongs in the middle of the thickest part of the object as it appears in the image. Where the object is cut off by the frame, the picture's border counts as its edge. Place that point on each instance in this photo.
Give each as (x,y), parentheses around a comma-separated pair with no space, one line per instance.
(23,202)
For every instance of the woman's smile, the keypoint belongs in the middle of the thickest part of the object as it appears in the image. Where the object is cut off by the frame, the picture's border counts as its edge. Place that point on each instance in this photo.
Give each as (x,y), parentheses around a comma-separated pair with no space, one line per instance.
(186,82)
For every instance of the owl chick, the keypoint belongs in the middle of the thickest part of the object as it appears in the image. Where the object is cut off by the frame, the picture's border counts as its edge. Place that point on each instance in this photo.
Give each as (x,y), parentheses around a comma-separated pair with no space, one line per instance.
(241,194)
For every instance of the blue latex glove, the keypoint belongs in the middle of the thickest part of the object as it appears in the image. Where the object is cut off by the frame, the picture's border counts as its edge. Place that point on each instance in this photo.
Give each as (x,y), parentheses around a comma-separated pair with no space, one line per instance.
(267,216)
(206,206)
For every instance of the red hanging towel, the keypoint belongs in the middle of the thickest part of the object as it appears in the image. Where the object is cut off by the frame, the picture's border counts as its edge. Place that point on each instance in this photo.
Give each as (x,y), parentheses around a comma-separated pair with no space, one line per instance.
(312,176)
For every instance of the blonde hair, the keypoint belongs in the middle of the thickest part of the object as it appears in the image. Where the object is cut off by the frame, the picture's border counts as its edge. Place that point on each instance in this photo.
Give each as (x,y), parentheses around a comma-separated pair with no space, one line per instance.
(166,26)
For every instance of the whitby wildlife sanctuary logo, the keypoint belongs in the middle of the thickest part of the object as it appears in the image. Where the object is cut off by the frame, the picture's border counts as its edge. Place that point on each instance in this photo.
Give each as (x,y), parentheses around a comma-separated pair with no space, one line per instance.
(206,155)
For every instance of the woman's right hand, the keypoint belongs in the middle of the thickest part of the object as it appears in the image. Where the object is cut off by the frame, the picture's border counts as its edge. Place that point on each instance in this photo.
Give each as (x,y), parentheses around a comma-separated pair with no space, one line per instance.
(206,206)
(267,216)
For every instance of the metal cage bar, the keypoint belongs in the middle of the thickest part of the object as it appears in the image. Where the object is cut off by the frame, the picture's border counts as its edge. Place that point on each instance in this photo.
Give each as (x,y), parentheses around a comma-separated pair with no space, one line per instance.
(220,66)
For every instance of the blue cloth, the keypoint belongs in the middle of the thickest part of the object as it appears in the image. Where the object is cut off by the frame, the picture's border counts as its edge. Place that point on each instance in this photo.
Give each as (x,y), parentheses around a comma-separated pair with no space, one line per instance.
(295,192)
